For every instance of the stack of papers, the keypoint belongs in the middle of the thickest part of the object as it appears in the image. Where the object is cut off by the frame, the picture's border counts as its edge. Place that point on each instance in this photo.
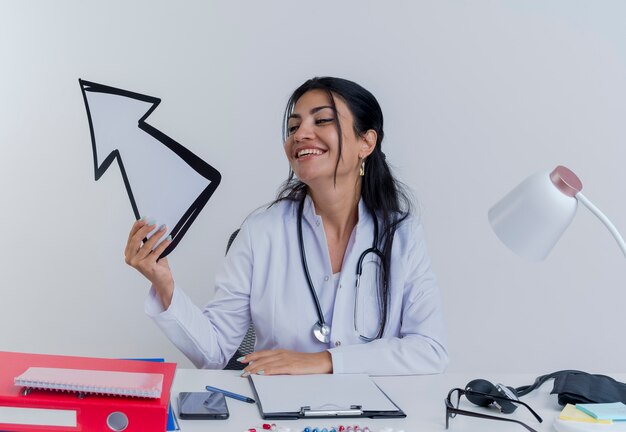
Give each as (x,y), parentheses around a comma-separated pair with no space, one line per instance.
(606,417)
(571,413)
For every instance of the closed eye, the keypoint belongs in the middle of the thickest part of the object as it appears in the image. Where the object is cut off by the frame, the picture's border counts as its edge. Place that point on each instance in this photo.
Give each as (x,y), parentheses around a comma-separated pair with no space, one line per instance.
(324,120)
(291,129)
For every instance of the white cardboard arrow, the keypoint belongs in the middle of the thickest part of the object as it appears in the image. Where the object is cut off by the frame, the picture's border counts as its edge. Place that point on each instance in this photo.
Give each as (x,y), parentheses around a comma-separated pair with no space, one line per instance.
(164,180)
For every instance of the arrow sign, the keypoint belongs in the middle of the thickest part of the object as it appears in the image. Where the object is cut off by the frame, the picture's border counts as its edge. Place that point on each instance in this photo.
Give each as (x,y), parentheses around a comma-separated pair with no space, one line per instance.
(164,180)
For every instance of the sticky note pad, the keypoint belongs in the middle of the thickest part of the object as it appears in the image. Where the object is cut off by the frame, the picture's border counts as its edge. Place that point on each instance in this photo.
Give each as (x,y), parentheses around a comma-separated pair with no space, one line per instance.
(570,413)
(605,411)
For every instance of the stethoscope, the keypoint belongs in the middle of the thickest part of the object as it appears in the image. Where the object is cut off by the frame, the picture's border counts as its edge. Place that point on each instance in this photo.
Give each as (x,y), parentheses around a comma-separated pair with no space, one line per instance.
(321,330)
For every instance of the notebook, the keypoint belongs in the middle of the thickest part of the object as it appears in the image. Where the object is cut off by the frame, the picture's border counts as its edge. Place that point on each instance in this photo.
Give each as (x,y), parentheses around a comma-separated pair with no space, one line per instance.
(134,384)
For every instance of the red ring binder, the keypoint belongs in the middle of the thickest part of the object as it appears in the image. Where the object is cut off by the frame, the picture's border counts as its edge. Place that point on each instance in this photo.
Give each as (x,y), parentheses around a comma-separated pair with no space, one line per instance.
(91,413)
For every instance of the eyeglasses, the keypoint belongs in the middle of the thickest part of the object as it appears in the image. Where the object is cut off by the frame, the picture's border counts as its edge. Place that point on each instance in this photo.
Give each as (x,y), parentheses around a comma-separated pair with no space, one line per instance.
(452,407)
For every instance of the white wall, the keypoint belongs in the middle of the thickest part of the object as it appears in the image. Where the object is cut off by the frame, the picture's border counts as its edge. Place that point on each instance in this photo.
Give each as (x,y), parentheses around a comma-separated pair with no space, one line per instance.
(477,95)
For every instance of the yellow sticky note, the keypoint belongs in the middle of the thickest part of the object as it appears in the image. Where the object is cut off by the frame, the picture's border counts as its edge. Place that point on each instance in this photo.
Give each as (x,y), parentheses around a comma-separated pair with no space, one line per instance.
(570,413)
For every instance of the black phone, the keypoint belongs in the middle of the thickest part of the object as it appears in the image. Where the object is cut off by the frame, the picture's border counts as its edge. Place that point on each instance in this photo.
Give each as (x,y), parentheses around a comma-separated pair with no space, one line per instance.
(202,406)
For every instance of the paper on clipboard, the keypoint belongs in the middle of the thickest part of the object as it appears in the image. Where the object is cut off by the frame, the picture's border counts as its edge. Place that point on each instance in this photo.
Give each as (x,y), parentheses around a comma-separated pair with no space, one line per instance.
(290,393)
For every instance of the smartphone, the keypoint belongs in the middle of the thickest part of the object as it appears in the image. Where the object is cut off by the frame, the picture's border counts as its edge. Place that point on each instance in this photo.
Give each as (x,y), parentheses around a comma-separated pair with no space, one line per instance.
(202,406)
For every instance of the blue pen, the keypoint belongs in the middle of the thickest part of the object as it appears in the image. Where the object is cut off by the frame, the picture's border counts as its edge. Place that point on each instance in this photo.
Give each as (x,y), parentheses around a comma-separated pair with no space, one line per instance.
(231,394)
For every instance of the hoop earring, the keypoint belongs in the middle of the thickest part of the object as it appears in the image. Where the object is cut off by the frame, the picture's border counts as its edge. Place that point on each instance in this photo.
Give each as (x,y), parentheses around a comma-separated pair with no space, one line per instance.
(362,168)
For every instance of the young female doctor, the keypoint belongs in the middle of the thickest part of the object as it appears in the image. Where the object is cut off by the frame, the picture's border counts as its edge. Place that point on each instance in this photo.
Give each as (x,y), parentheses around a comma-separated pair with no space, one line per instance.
(334,274)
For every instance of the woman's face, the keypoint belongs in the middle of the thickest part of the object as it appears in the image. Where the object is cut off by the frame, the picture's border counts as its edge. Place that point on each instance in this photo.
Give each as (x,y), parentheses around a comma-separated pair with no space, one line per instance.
(312,144)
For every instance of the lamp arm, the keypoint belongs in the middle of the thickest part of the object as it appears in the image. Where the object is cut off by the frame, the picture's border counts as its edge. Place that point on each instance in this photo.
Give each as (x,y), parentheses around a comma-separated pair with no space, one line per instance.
(596,211)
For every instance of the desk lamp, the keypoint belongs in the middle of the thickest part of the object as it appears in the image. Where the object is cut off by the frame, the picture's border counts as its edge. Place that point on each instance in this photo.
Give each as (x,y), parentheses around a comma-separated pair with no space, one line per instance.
(532,217)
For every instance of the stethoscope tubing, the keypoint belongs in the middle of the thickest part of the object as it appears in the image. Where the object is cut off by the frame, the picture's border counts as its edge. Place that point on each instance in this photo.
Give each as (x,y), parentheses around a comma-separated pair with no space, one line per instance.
(320,314)
(359,269)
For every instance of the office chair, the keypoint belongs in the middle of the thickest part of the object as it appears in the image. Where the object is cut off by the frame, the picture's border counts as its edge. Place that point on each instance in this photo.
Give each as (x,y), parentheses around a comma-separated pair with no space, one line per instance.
(247,345)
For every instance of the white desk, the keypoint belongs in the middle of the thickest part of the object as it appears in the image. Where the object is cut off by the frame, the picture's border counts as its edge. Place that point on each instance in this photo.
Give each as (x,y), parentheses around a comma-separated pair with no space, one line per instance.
(420,397)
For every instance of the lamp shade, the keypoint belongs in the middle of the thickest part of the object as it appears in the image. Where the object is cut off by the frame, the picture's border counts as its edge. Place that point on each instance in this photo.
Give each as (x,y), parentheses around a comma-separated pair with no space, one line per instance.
(533,216)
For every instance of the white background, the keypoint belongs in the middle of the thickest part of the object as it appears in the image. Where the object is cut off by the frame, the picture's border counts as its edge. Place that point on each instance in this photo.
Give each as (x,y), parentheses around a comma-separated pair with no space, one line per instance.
(477,95)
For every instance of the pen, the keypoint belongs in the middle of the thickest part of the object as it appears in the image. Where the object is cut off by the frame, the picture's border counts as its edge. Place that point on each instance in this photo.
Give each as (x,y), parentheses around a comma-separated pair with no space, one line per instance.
(231,394)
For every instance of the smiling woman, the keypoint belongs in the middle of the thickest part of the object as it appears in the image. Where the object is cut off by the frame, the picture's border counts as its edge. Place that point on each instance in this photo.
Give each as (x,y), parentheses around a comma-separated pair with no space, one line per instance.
(313,146)
(334,274)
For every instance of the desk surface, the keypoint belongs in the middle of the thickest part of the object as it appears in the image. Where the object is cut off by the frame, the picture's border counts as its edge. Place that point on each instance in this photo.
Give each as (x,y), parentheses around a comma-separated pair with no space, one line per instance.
(421,398)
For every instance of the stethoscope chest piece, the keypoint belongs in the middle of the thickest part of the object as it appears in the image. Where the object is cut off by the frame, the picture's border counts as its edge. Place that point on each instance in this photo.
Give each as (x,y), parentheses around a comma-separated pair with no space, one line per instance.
(321,332)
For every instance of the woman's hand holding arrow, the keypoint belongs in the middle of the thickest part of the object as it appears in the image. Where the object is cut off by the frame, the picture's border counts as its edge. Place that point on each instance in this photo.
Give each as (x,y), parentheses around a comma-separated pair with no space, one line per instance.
(141,256)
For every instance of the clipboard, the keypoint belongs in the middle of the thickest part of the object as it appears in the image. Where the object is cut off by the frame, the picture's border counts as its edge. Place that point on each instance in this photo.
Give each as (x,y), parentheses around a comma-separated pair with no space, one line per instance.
(284,397)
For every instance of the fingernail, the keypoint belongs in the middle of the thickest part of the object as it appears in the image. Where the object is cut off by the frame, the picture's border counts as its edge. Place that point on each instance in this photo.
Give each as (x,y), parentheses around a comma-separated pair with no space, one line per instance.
(143,219)
(169,238)
(162,227)
(151,221)
(242,358)
(261,372)
(245,374)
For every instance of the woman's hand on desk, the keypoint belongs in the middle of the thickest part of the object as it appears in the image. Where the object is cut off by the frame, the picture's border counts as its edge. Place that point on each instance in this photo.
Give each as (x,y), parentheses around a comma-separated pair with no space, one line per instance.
(140,256)
(284,362)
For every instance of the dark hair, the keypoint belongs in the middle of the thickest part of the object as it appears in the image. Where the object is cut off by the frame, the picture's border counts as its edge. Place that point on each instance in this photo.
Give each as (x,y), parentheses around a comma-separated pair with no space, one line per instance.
(382,194)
